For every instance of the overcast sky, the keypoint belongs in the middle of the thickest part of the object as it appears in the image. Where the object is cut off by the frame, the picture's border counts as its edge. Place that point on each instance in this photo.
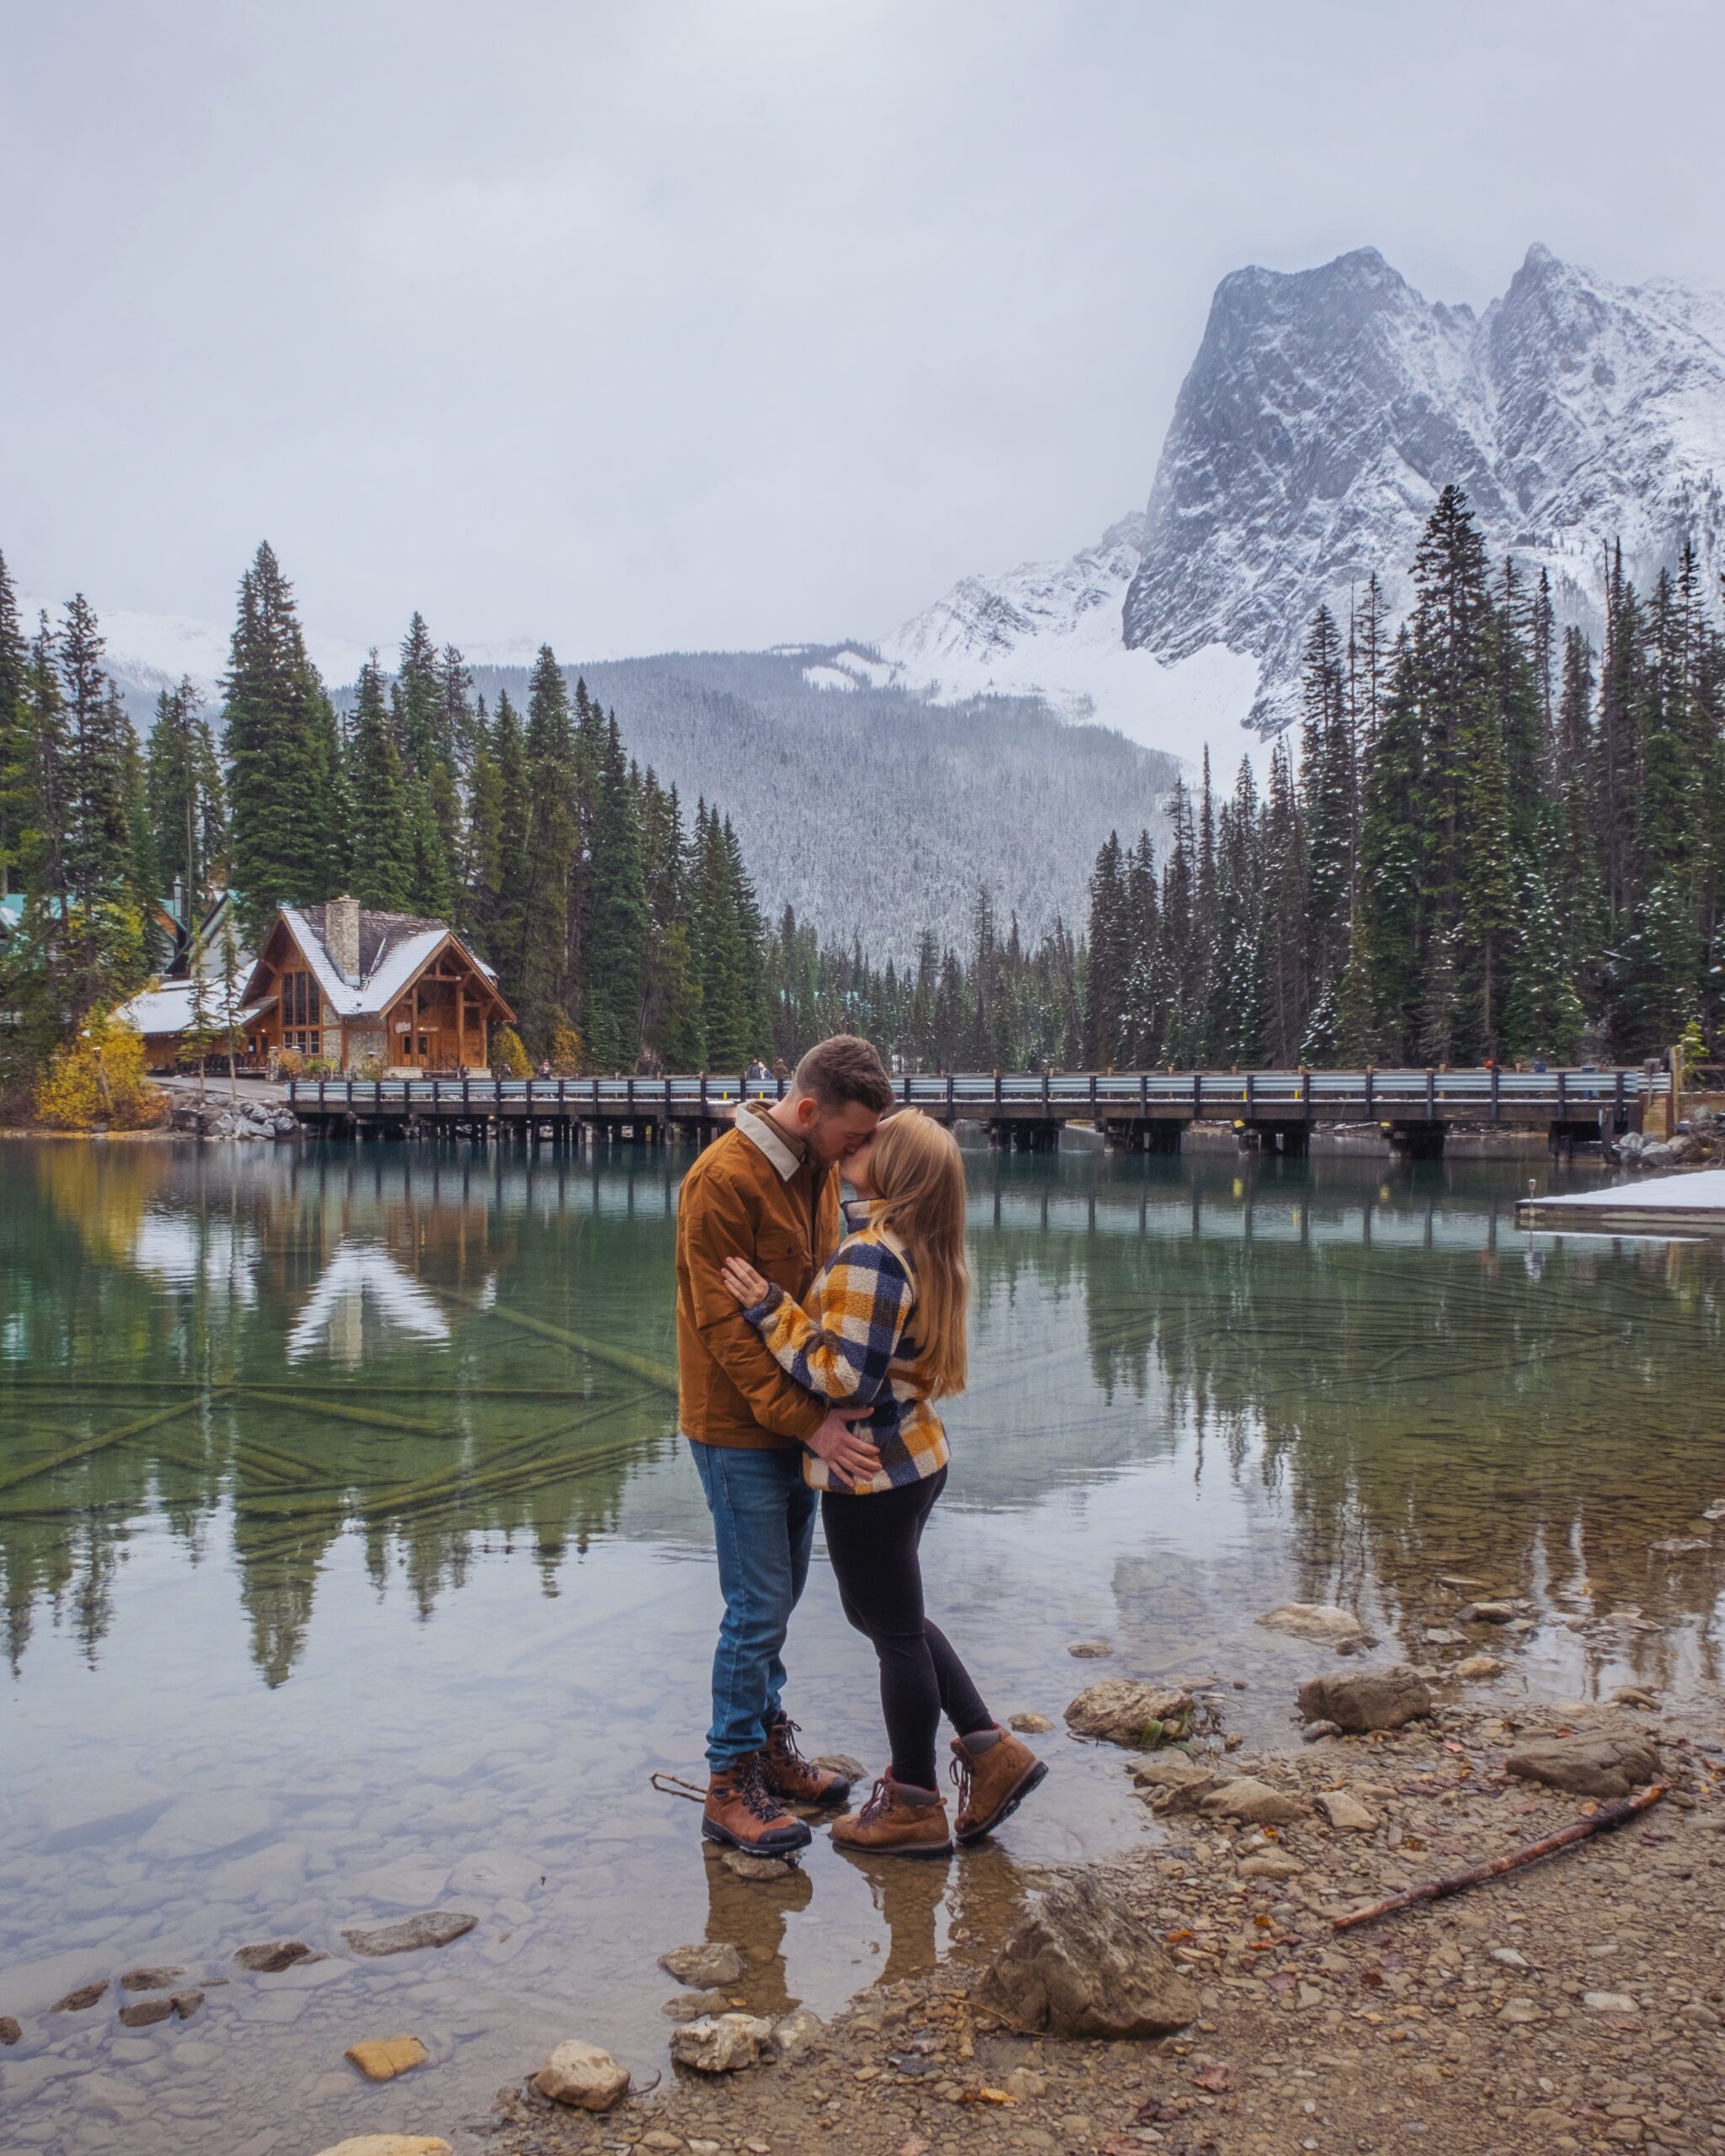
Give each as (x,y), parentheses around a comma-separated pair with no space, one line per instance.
(710,322)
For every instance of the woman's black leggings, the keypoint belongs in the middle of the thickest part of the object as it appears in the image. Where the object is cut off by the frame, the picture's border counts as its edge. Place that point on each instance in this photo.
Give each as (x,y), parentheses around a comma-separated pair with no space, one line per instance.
(872,1541)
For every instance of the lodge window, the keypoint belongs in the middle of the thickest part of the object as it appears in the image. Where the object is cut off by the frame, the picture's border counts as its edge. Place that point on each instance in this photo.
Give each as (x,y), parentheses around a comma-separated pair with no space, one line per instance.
(301,1003)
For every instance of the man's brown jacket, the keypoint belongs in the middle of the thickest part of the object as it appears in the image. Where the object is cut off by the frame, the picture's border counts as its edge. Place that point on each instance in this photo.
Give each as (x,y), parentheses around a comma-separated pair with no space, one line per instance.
(753,1194)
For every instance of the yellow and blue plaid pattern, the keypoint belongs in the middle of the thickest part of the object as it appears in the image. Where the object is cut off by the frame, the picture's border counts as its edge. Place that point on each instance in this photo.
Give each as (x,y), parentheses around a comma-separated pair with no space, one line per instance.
(849,1342)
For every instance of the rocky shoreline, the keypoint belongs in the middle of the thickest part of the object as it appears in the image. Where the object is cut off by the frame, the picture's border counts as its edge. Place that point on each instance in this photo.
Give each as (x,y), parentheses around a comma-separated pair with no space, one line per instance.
(1577,2004)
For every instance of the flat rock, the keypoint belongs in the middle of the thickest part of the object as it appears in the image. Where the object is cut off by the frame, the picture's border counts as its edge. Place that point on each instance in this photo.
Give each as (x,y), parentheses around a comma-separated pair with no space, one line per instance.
(1610,2002)
(713,1961)
(1587,1766)
(584,2076)
(1271,1865)
(81,2000)
(380,2058)
(432,1927)
(841,1762)
(1323,1623)
(390,2144)
(1344,1812)
(1443,1636)
(758,1867)
(1080,1964)
(690,2005)
(144,2012)
(1489,1613)
(1029,1724)
(1478,1666)
(1123,1710)
(1359,1699)
(150,1979)
(203,1826)
(270,1956)
(1245,1797)
(185,2004)
(721,2043)
(1091,1650)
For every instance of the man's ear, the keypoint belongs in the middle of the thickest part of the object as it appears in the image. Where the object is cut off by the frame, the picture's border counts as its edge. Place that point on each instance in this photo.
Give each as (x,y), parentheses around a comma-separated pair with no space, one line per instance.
(808,1111)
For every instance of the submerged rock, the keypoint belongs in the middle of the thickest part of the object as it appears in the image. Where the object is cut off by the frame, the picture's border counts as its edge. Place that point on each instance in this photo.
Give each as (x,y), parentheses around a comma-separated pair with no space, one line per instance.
(1587,1766)
(81,2000)
(433,1928)
(11,2031)
(1091,1650)
(380,2058)
(1081,1964)
(721,2043)
(1029,1724)
(268,1957)
(690,2005)
(1478,1666)
(1360,1699)
(1123,1710)
(758,1867)
(144,2012)
(584,2076)
(150,1979)
(1323,1623)
(713,1961)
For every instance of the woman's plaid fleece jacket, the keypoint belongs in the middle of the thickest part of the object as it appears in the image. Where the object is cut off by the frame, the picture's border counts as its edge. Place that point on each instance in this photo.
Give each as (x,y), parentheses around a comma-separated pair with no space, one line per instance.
(850,1342)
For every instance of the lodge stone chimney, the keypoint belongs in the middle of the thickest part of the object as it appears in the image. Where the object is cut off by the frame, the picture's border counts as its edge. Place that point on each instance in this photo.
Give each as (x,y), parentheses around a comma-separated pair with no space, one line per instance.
(341,938)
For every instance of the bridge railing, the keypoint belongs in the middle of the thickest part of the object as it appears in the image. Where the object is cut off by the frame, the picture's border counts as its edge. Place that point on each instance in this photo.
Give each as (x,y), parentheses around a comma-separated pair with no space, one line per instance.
(1110,1094)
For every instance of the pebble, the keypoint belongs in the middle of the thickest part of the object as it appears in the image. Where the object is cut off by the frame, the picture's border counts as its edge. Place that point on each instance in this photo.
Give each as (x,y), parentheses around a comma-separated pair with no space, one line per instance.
(146,2012)
(583,2076)
(1610,2002)
(10,2031)
(150,1979)
(757,1867)
(1091,1650)
(1029,1724)
(711,1962)
(81,2000)
(1344,1812)
(271,1955)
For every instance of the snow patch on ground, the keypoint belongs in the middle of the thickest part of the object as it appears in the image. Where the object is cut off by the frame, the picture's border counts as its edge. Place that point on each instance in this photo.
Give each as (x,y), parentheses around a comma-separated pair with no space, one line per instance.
(829,677)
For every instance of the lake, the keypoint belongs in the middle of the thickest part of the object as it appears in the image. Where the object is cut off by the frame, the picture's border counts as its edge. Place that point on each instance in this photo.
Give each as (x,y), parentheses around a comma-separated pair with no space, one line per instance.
(352,1568)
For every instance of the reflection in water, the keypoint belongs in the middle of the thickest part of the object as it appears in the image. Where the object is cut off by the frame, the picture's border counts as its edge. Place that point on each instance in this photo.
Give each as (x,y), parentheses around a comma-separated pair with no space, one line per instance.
(257,1404)
(334,1311)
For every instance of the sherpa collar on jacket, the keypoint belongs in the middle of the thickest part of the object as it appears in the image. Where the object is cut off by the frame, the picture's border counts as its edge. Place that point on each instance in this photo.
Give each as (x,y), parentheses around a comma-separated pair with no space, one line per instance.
(787,1155)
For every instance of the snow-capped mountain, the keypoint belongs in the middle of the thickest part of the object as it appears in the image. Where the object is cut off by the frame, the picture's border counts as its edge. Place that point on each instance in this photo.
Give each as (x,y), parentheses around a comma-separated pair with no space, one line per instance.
(1323,414)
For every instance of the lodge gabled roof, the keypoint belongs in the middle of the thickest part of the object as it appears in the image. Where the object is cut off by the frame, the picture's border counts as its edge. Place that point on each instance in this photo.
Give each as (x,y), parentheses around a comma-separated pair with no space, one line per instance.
(394,949)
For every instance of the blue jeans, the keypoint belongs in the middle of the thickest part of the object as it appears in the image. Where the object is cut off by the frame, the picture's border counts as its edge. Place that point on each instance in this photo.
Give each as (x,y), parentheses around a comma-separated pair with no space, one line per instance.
(763,1522)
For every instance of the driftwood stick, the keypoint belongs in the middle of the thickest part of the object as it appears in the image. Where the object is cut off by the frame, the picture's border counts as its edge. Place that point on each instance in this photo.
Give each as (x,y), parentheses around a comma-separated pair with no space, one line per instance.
(1438,1890)
(660,1375)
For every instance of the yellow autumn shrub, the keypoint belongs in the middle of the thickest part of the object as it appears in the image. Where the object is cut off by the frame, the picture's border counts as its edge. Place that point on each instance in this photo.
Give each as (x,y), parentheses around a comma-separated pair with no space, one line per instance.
(99,1076)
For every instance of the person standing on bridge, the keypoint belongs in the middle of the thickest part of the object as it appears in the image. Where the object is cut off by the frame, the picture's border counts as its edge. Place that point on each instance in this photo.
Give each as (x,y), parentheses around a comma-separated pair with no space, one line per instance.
(883,1329)
(766,1190)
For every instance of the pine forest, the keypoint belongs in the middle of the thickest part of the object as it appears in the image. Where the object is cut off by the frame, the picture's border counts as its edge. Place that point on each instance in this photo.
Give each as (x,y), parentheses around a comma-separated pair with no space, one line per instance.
(1497,842)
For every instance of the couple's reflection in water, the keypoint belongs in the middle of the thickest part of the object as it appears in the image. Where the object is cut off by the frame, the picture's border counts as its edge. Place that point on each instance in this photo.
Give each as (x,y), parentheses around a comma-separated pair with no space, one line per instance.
(926,1903)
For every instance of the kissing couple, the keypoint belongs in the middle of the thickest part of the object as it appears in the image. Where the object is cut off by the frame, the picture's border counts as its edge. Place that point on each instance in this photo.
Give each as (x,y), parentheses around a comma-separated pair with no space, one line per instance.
(812,1344)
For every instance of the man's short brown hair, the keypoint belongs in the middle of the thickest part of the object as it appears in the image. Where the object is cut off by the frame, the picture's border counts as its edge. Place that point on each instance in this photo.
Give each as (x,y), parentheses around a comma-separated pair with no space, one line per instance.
(846,1069)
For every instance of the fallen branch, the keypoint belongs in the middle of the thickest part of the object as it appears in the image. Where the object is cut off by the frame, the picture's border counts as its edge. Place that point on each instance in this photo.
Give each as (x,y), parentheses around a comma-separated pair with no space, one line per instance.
(1438,1890)
(660,1375)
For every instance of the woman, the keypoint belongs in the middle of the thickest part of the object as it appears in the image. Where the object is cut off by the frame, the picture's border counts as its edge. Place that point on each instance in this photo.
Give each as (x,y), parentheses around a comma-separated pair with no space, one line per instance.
(884,1328)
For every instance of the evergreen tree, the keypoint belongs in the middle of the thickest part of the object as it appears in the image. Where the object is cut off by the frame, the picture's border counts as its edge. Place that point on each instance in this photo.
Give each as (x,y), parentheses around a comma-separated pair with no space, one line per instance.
(550,928)
(186,807)
(420,718)
(105,926)
(283,753)
(382,870)
(16,791)
(614,949)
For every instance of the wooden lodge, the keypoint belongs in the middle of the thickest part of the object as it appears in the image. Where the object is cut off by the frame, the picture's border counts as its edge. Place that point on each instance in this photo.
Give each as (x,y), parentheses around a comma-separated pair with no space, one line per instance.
(344,985)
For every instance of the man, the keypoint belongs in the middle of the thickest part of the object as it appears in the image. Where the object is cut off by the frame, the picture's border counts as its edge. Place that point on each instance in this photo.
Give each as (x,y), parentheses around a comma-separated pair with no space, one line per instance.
(766,1190)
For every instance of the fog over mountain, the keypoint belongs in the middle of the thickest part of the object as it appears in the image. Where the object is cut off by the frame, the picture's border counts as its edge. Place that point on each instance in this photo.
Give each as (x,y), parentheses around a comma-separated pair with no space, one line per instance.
(1323,412)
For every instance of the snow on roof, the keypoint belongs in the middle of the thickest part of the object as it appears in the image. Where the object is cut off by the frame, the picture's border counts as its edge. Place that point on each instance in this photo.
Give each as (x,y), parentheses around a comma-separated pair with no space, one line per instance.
(169,1008)
(398,962)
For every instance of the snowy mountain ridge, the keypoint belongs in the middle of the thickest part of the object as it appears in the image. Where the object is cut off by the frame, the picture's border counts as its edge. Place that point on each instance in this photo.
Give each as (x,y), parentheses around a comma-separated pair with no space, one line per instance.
(1322,414)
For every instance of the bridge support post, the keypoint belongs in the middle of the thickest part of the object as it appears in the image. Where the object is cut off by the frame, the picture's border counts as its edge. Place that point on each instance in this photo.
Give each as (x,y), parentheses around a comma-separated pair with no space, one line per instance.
(1419,1141)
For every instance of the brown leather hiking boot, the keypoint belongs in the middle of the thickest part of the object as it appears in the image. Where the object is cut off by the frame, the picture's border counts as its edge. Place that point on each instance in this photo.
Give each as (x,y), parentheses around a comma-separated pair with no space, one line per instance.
(740,1810)
(993,1784)
(888,1825)
(787,1775)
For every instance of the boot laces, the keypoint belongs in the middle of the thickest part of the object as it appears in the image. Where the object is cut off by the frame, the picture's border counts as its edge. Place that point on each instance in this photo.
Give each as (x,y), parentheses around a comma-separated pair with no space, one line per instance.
(752,1791)
(962,1775)
(782,1738)
(880,1802)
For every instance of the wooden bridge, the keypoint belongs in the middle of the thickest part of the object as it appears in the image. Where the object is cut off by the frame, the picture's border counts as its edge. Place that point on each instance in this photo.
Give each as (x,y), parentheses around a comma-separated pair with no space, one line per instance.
(1145,1111)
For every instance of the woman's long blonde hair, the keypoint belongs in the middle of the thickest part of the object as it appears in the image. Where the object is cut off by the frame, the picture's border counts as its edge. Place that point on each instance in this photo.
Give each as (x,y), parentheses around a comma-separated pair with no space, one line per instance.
(918,1174)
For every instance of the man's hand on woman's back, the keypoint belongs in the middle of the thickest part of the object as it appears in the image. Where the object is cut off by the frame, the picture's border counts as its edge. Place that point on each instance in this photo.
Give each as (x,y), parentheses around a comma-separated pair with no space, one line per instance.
(850,1458)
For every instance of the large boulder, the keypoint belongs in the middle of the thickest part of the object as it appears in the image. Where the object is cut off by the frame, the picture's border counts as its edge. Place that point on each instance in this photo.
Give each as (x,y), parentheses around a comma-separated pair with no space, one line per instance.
(1080,1964)
(1599,1765)
(1123,1711)
(721,2043)
(1322,1623)
(1360,1699)
(584,2076)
